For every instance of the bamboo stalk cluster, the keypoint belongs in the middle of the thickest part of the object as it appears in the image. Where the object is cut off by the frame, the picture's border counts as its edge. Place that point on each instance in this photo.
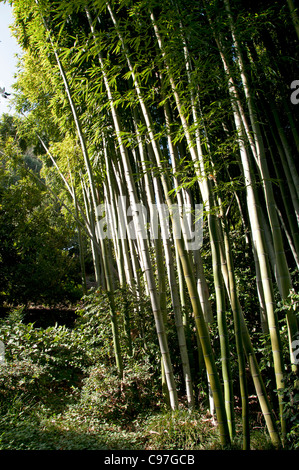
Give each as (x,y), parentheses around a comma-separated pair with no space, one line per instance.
(171,109)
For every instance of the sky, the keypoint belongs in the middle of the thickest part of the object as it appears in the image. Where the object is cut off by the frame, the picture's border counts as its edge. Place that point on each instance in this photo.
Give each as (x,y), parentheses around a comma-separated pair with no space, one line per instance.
(8,50)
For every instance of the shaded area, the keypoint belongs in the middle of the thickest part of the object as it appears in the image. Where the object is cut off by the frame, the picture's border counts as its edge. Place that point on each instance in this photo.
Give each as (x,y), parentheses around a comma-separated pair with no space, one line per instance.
(43,317)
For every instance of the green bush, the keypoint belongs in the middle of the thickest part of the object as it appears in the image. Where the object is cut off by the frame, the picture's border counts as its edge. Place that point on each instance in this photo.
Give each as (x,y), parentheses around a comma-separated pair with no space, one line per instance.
(19,377)
(37,359)
(134,318)
(57,380)
(38,262)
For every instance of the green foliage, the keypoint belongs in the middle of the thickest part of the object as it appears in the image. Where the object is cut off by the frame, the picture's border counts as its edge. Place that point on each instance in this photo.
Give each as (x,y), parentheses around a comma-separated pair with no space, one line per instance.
(290,303)
(290,392)
(35,262)
(113,400)
(180,430)
(93,321)
(58,353)
(57,381)
(290,399)
(168,77)
(58,375)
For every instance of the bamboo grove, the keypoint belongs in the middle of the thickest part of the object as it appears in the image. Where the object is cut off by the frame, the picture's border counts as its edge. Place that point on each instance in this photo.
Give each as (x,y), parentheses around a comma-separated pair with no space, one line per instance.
(171,104)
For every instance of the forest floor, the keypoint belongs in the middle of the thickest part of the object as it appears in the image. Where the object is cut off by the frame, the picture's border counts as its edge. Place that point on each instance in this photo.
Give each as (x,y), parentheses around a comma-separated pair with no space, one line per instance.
(50,401)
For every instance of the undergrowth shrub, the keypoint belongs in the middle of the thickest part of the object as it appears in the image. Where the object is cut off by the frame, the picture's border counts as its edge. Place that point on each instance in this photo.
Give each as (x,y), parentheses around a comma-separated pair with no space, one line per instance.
(19,377)
(39,361)
(134,317)
(56,380)
(107,396)
(180,430)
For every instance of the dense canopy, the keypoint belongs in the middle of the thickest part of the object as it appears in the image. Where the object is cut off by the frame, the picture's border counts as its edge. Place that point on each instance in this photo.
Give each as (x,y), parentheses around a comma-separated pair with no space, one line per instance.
(155,122)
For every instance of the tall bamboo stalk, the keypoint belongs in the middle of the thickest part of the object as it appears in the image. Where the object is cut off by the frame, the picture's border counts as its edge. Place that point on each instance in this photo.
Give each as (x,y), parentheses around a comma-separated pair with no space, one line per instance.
(144,253)
(281,265)
(198,160)
(93,202)
(259,244)
(152,148)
